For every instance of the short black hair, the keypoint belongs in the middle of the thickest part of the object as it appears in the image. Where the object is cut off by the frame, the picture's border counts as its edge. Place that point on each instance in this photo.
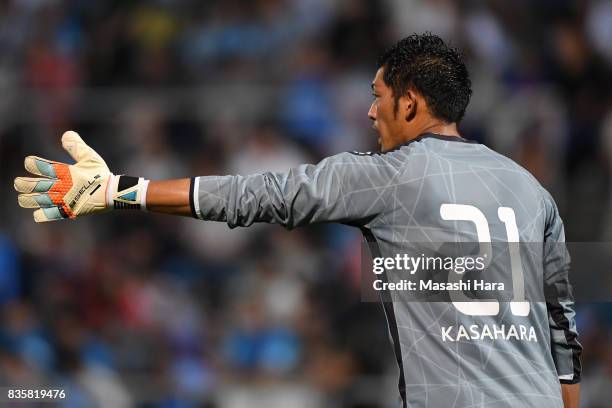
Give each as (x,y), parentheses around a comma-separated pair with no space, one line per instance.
(425,64)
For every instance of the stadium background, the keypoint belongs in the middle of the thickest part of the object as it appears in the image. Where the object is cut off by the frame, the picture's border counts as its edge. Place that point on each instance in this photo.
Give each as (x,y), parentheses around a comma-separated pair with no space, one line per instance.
(163,312)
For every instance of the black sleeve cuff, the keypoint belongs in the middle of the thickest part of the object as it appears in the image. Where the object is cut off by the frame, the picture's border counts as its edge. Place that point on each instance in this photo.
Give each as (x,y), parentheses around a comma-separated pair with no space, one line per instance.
(575,380)
(192,198)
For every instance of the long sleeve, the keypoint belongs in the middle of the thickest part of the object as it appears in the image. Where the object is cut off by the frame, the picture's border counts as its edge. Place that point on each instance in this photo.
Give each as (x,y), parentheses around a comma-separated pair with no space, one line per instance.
(347,188)
(565,348)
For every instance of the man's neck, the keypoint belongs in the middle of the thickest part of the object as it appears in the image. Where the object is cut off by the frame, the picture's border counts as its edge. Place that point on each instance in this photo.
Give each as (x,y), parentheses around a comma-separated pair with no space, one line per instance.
(434,127)
(446,129)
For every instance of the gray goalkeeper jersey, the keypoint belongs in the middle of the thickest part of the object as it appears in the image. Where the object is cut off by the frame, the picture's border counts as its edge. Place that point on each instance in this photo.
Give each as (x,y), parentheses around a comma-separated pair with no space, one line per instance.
(435,189)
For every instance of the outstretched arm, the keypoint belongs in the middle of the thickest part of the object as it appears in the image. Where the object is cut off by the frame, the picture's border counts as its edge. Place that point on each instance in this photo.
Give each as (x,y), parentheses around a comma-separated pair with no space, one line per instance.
(345,188)
(337,189)
(169,197)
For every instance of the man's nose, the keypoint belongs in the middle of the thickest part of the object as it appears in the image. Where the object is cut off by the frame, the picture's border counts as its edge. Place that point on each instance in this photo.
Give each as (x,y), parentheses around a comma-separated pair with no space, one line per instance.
(372,112)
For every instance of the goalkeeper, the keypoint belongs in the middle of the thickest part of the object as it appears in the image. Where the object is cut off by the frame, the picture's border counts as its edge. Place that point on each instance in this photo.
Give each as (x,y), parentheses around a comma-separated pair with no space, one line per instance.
(427,184)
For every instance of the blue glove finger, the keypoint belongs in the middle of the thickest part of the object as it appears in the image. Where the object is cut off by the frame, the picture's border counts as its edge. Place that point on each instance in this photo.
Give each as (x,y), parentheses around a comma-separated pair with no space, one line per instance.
(33,184)
(35,201)
(48,214)
(39,166)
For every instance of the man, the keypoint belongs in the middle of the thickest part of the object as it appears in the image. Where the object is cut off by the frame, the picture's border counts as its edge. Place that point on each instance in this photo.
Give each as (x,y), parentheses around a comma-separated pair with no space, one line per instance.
(427,184)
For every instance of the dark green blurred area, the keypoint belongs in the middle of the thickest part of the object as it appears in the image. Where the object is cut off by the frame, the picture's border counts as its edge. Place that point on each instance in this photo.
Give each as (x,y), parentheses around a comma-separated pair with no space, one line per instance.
(134,309)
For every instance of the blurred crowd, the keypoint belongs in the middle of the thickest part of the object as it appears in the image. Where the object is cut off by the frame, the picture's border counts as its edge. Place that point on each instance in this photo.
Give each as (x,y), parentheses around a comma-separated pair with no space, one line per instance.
(133,309)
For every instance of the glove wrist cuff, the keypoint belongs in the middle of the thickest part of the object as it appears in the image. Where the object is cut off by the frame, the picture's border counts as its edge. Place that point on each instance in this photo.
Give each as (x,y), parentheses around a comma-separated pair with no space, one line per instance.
(127,193)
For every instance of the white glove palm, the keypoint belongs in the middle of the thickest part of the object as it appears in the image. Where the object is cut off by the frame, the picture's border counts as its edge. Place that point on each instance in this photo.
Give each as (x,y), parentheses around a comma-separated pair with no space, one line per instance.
(74,190)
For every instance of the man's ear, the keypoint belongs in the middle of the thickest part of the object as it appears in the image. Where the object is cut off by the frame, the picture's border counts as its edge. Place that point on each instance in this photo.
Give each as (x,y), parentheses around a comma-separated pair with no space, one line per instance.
(408,105)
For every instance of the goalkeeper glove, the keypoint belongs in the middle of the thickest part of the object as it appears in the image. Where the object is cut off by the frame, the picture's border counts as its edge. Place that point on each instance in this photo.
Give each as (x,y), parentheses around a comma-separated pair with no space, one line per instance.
(74,190)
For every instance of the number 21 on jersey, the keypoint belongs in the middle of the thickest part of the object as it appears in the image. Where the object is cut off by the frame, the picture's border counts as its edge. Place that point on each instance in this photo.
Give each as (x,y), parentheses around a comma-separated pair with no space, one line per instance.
(490,307)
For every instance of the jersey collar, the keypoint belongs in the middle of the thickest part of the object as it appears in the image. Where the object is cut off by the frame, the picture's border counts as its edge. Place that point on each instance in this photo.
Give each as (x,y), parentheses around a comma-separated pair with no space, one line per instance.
(441,137)
(446,138)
